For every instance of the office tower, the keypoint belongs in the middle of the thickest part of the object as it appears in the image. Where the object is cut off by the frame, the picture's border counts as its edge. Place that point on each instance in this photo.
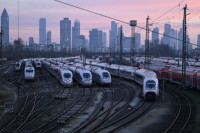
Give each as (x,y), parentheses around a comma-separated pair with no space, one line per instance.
(155,36)
(198,41)
(65,33)
(80,42)
(42,31)
(137,41)
(49,37)
(173,40)
(95,42)
(5,27)
(75,33)
(31,41)
(165,39)
(113,36)
(104,39)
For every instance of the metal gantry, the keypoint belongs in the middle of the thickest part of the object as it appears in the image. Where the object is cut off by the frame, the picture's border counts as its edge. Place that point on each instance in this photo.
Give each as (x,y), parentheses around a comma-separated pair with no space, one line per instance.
(184,49)
(147,48)
(133,23)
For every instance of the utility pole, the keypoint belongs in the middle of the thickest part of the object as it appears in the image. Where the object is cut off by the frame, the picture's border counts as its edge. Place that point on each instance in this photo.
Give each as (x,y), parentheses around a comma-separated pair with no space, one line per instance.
(147,50)
(184,49)
(121,46)
(133,23)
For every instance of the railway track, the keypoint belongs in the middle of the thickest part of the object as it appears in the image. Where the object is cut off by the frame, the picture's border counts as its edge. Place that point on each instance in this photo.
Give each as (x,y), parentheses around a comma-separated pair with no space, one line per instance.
(29,108)
(113,113)
(183,113)
(125,96)
(67,114)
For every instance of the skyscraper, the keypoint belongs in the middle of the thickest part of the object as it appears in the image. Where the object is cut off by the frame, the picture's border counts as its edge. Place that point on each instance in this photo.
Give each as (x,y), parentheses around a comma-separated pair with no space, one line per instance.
(137,41)
(95,37)
(42,31)
(173,42)
(104,39)
(113,35)
(65,33)
(49,37)
(155,36)
(165,39)
(5,27)
(75,33)
(180,37)
(180,42)
(198,41)
(80,42)
(31,41)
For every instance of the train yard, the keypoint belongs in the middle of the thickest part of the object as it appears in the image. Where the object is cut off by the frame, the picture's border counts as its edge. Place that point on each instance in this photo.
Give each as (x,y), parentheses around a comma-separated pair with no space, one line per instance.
(119,104)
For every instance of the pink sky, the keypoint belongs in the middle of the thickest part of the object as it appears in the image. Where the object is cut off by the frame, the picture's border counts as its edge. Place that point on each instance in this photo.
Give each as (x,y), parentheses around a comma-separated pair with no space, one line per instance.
(32,10)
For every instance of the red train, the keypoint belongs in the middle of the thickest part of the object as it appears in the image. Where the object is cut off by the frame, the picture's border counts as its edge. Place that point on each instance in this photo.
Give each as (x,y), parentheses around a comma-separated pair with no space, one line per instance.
(175,76)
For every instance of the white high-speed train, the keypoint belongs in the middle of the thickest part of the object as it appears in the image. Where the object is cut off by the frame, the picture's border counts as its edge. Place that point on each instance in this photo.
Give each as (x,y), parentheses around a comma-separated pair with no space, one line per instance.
(100,75)
(29,71)
(64,75)
(146,78)
(83,76)
(18,66)
(149,81)
(37,64)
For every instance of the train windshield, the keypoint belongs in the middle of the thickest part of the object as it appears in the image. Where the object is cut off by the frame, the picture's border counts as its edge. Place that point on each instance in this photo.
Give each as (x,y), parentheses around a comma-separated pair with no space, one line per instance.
(86,75)
(38,64)
(67,75)
(17,64)
(29,71)
(150,84)
(105,74)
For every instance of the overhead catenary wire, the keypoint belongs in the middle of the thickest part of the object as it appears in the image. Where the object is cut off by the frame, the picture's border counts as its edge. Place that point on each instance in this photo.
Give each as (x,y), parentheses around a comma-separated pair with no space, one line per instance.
(93,12)
(166,12)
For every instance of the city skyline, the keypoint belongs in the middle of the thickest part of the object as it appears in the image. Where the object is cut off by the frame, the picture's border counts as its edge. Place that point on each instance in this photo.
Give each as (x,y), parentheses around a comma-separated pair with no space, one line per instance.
(90,21)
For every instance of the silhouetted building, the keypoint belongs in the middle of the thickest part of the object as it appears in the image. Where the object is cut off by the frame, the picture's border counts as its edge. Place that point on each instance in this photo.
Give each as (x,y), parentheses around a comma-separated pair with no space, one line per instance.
(65,33)
(165,39)
(95,42)
(5,27)
(75,34)
(137,41)
(155,36)
(113,35)
(49,37)
(198,41)
(42,31)
(31,41)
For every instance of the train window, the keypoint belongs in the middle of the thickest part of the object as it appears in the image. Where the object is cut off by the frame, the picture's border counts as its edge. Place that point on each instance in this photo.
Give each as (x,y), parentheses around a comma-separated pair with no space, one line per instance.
(86,75)
(29,71)
(150,84)
(67,75)
(105,74)
(139,76)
